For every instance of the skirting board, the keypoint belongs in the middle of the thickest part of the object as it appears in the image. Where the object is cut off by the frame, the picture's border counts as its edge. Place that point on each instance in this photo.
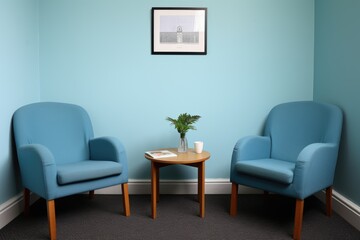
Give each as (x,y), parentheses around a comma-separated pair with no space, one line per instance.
(212,186)
(13,208)
(344,207)
(341,205)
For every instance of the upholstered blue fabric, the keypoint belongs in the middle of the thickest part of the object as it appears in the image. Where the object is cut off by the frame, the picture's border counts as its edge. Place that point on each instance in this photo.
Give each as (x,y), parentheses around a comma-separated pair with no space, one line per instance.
(86,170)
(65,129)
(297,154)
(58,154)
(271,169)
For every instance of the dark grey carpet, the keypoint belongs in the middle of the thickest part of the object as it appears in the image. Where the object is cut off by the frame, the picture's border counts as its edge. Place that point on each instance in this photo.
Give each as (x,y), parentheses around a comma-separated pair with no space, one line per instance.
(259,217)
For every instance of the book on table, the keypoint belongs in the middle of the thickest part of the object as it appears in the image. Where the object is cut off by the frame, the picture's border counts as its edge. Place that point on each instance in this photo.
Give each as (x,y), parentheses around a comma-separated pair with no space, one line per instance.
(160,154)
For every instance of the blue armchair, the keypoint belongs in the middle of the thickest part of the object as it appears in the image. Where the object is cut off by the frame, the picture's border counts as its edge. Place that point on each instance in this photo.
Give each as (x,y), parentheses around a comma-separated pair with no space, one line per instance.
(295,157)
(59,156)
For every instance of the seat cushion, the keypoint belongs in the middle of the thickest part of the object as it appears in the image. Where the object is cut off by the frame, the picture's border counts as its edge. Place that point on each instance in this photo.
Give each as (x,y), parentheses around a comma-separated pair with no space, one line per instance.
(86,170)
(271,169)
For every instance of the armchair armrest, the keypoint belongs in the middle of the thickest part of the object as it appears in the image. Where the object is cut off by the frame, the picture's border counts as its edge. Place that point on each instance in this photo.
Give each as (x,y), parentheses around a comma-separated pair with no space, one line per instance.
(315,168)
(250,148)
(108,148)
(38,169)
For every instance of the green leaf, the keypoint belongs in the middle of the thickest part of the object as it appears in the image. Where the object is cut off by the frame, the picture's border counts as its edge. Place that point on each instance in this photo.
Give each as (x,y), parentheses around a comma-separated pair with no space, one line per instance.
(184,123)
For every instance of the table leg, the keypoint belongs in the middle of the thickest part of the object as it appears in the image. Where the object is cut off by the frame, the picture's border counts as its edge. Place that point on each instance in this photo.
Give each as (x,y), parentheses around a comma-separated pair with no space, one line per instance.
(199,182)
(201,188)
(157,169)
(154,183)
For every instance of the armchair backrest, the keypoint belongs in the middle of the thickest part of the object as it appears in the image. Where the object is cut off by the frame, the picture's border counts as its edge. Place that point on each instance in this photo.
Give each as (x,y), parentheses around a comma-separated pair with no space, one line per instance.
(65,129)
(292,126)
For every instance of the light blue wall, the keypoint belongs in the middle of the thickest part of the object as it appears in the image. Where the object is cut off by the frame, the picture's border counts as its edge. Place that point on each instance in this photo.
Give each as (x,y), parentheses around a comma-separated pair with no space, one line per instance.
(19,79)
(97,54)
(337,80)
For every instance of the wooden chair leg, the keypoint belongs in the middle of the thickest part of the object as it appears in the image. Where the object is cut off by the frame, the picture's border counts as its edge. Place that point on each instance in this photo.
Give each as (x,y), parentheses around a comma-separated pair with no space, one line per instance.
(91,194)
(329,201)
(234,197)
(26,201)
(126,203)
(51,218)
(299,209)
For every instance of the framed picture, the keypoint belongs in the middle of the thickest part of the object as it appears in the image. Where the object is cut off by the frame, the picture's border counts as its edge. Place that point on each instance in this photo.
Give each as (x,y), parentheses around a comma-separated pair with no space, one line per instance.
(179,31)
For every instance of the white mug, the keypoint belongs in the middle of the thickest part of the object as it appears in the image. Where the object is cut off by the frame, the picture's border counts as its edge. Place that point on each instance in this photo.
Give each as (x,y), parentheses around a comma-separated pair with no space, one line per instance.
(198,146)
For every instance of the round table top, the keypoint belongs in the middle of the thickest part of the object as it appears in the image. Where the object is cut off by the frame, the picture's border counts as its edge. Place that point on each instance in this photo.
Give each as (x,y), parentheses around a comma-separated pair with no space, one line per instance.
(182,158)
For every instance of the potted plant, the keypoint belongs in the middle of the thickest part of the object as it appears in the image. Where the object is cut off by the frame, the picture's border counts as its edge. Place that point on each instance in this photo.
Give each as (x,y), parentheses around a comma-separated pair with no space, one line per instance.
(182,124)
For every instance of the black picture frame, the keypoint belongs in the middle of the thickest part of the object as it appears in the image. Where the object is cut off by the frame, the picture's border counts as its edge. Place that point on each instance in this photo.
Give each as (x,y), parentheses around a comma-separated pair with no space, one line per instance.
(179,31)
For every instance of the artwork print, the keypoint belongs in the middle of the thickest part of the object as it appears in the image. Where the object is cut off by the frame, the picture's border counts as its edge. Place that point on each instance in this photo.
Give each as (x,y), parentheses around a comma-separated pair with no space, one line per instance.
(179,31)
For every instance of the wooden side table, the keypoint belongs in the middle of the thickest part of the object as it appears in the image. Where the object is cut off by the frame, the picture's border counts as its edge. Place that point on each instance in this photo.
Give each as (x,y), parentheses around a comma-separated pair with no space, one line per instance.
(189,158)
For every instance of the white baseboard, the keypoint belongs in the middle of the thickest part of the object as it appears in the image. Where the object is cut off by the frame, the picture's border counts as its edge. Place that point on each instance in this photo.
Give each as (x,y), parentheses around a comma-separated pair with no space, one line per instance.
(344,207)
(212,186)
(13,208)
(10,210)
(341,205)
